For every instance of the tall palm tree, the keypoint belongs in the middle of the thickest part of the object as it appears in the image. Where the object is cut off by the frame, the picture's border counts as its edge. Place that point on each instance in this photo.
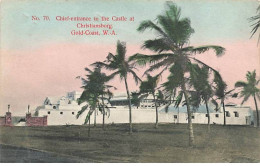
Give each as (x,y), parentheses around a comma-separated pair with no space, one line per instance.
(200,81)
(249,89)
(90,97)
(94,87)
(173,40)
(104,91)
(149,87)
(256,22)
(122,67)
(222,93)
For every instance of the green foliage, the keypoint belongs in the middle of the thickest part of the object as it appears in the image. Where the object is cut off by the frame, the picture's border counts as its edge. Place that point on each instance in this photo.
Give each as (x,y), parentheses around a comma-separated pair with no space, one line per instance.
(149,85)
(173,35)
(249,88)
(119,64)
(94,87)
(135,99)
(88,116)
(256,23)
(199,79)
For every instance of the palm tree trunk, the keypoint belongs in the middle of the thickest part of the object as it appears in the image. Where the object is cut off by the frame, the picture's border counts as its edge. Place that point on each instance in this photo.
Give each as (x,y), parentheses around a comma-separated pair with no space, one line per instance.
(191,135)
(156,110)
(103,112)
(257,113)
(224,111)
(129,105)
(207,107)
(89,127)
(95,118)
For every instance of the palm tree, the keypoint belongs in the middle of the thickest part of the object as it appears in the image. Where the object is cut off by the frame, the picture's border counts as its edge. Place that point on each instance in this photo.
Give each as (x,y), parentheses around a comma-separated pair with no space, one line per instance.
(122,67)
(104,91)
(222,93)
(249,89)
(104,107)
(94,86)
(200,81)
(173,39)
(256,24)
(149,87)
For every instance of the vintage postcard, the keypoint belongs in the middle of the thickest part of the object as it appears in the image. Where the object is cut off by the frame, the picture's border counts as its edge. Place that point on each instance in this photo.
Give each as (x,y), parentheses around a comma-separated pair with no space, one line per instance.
(129,81)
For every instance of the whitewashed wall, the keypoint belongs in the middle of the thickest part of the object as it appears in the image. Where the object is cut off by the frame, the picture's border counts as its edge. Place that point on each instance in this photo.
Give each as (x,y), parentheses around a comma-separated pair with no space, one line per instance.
(121,115)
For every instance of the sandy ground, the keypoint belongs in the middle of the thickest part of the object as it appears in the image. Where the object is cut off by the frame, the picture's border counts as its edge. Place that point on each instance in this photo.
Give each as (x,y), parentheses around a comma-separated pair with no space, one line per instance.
(168,143)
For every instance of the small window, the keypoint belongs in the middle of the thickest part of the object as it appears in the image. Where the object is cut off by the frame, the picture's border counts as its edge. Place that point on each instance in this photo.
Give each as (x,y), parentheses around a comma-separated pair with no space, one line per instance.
(192,117)
(216,115)
(227,114)
(61,113)
(49,112)
(72,113)
(54,107)
(236,114)
(69,102)
(207,115)
(175,116)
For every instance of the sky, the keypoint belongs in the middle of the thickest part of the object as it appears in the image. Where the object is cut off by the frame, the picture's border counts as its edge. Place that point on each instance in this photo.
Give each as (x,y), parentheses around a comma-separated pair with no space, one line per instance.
(42,58)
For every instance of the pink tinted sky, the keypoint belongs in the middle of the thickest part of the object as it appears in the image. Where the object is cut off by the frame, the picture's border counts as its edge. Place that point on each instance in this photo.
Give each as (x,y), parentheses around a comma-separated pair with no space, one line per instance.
(51,70)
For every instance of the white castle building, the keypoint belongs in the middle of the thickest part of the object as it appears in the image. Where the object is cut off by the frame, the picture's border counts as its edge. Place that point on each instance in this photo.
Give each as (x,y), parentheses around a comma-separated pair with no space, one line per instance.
(63,110)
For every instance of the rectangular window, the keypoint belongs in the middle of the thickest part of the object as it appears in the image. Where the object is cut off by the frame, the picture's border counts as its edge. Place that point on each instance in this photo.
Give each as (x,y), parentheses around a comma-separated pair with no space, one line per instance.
(175,116)
(216,115)
(227,114)
(207,115)
(61,113)
(72,113)
(49,112)
(192,117)
(236,114)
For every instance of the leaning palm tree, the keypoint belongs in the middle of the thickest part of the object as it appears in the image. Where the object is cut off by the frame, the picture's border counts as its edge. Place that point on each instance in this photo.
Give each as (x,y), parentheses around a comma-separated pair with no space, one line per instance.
(256,23)
(249,89)
(95,87)
(122,67)
(203,89)
(221,92)
(148,87)
(174,51)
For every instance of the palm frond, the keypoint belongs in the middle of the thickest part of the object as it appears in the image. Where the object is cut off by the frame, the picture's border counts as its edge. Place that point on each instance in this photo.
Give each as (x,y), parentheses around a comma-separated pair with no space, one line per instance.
(148,24)
(135,76)
(142,59)
(246,97)
(121,49)
(88,116)
(215,103)
(205,65)
(157,45)
(240,84)
(83,109)
(88,70)
(163,63)
(103,65)
(218,49)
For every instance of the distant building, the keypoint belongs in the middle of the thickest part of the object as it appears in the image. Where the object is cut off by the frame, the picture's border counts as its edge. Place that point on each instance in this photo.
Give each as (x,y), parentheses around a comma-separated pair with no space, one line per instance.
(235,115)
(63,110)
